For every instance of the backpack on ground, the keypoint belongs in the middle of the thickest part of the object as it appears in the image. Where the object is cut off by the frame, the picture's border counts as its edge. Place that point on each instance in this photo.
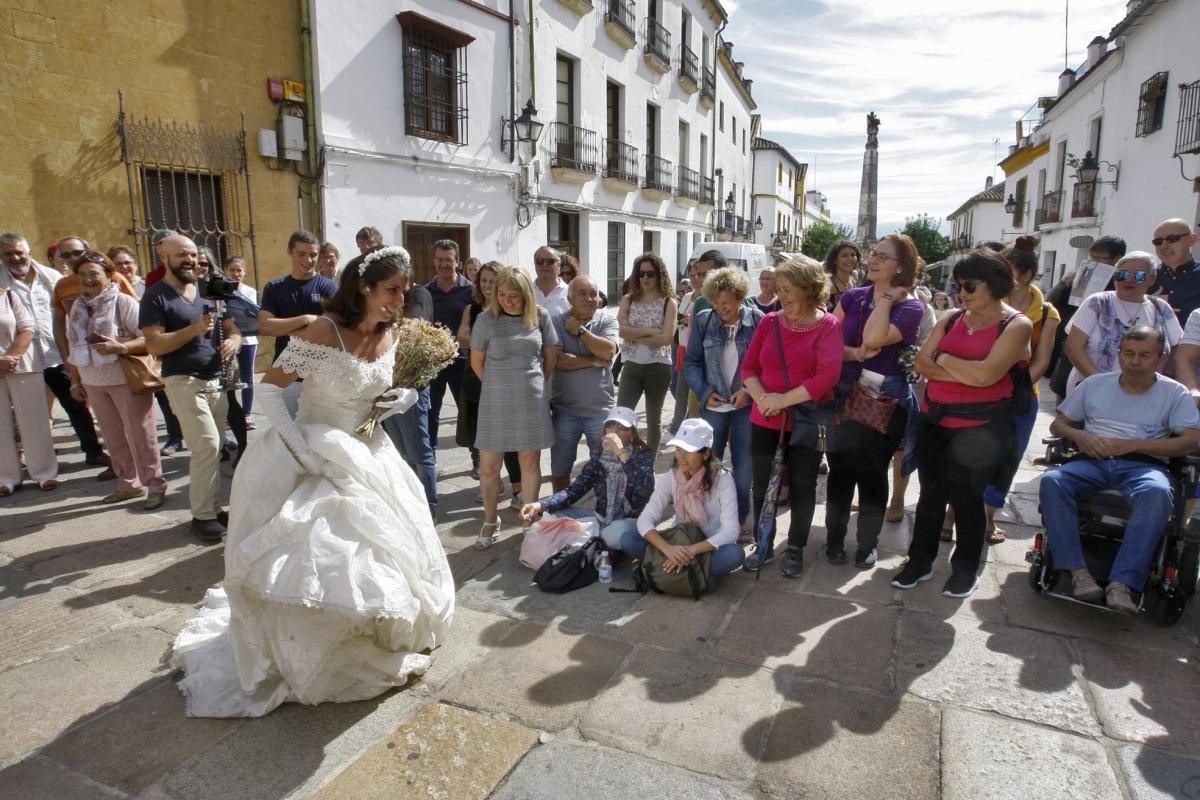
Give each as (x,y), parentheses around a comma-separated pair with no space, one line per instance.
(691,582)
(571,568)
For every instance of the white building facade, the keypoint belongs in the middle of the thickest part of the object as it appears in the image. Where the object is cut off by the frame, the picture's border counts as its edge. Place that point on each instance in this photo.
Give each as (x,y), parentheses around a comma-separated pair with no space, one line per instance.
(979,219)
(778,196)
(1135,107)
(415,99)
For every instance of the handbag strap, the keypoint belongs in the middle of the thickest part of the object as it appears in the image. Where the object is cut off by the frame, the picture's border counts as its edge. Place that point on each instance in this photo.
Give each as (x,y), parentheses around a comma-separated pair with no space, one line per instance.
(786,380)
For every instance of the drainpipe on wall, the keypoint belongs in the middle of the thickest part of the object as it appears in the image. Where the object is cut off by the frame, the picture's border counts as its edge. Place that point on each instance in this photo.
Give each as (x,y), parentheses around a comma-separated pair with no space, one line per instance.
(532,64)
(720,189)
(512,73)
(310,118)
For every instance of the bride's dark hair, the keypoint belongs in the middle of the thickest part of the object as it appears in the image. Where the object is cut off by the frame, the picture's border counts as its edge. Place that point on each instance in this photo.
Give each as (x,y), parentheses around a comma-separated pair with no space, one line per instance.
(349,301)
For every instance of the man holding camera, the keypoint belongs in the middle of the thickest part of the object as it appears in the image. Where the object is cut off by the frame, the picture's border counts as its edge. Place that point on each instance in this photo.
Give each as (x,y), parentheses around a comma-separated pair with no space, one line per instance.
(179,326)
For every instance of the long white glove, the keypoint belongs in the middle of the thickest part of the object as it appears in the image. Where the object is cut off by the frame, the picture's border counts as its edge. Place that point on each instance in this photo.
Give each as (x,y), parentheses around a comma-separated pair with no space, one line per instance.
(269,398)
(399,400)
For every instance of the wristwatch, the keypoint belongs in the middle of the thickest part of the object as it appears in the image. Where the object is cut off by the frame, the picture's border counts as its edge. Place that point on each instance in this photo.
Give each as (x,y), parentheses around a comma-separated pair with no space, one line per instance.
(889,296)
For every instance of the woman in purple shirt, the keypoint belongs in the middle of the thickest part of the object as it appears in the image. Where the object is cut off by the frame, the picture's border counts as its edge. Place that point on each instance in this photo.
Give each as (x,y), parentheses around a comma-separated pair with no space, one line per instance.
(879,321)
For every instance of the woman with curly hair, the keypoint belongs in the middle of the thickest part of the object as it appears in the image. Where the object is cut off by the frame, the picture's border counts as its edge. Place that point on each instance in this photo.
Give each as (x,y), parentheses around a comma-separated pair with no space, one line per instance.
(647,319)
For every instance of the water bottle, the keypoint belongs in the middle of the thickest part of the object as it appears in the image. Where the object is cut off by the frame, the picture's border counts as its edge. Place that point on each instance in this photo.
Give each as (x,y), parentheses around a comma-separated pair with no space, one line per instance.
(605,568)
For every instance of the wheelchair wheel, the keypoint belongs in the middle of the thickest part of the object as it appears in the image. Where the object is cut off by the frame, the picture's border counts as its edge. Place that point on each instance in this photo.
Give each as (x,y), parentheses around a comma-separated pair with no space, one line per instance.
(1165,606)
(1043,577)
(1189,568)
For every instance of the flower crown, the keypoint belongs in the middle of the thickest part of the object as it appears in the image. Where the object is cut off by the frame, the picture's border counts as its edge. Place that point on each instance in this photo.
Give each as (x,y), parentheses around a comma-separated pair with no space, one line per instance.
(383,252)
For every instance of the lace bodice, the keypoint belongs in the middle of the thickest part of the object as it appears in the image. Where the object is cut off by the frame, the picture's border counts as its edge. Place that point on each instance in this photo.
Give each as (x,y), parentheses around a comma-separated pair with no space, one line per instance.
(339,387)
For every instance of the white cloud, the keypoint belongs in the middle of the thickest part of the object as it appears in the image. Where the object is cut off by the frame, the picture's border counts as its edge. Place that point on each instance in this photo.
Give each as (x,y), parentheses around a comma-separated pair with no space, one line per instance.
(944,76)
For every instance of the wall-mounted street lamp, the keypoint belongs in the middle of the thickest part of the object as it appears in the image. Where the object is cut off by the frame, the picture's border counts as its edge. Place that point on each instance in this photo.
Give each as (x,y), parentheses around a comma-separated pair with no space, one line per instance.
(1088,171)
(758,225)
(1011,205)
(525,129)
(730,204)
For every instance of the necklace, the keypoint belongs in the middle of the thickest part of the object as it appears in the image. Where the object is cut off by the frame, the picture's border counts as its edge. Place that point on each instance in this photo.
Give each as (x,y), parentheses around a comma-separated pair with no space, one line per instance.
(799,327)
(978,327)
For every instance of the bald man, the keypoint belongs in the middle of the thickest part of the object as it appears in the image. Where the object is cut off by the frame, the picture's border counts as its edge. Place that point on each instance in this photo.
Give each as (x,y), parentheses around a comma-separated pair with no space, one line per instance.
(1178,277)
(179,328)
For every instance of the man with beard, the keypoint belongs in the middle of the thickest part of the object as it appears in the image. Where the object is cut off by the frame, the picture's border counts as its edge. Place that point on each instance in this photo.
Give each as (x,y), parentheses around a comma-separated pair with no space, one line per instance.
(179,328)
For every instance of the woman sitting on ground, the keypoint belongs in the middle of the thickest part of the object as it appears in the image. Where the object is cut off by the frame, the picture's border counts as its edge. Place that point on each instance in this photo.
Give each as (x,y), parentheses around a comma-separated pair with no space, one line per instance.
(620,473)
(702,493)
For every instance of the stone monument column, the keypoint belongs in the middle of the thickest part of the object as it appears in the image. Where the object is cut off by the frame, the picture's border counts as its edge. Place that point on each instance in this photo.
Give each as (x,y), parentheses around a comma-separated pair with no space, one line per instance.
(868,196)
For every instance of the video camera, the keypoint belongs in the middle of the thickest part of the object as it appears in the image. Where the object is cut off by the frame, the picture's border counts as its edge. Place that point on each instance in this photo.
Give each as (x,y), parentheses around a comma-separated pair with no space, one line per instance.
(217,287)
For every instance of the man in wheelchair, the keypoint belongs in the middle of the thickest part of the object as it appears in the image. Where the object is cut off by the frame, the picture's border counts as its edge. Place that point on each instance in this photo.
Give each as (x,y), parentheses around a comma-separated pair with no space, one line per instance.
(1126,426)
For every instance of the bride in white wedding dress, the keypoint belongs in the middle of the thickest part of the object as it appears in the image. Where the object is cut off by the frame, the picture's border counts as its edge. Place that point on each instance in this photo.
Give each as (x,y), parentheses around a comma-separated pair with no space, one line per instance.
(336,585)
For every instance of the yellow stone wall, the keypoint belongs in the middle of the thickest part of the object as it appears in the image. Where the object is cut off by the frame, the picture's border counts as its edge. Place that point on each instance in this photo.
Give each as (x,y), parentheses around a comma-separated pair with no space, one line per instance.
(62,63)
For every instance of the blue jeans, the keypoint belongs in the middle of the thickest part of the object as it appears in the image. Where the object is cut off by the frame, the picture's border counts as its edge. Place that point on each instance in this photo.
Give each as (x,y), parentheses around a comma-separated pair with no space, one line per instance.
(567,430)
(451,377)
(995,493)
(612,533)
(734,428)
(410,433)
(725,559)
(1149,492)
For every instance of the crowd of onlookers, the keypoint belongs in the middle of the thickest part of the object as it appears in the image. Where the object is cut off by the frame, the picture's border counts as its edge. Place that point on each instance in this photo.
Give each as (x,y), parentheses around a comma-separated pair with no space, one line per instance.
(856,367)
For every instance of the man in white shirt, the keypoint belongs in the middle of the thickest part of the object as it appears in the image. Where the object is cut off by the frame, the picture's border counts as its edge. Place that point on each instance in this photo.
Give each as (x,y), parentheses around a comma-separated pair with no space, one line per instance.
(549,290)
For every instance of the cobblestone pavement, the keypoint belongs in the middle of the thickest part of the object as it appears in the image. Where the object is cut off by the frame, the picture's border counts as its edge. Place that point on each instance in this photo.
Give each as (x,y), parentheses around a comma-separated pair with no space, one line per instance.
(834,685)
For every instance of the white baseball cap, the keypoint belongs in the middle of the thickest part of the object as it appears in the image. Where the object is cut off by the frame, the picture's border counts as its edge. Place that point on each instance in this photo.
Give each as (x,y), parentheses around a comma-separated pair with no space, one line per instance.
(623,416)
(693,436)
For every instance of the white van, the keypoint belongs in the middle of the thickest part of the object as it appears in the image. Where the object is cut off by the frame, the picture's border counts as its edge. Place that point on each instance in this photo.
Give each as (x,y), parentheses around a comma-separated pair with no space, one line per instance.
(750,258)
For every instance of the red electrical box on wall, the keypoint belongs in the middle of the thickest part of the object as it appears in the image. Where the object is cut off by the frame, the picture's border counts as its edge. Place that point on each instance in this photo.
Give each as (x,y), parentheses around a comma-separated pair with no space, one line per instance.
(275,89)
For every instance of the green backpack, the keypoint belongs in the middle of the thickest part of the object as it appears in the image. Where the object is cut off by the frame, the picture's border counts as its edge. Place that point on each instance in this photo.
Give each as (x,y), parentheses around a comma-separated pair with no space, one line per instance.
(691,582)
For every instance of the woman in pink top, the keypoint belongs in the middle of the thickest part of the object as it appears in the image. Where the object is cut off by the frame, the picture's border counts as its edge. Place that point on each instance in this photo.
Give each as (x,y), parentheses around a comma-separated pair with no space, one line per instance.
(812,352)
(966,432)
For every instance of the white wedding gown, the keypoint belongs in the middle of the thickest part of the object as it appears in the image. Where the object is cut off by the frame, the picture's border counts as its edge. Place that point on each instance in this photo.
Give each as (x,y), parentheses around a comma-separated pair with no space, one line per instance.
(336,585)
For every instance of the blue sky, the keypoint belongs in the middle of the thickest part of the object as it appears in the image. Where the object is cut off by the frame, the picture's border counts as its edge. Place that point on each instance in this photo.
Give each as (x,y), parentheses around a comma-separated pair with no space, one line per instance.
(946,77)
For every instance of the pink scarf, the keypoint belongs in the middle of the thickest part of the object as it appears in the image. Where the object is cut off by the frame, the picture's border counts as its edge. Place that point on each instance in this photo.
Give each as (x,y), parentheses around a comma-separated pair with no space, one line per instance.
(689,497)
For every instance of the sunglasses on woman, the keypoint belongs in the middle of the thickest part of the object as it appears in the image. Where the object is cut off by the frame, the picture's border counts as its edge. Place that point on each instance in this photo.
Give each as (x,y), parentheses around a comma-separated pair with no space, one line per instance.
(1138,275)
(969,286)
(644,274)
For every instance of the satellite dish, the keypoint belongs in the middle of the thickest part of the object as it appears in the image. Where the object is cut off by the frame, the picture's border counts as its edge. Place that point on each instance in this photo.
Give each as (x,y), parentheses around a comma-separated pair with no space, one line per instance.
(1082,242)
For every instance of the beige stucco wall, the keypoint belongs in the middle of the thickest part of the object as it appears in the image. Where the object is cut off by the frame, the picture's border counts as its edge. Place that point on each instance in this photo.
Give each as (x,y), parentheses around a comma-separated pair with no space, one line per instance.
(62,63)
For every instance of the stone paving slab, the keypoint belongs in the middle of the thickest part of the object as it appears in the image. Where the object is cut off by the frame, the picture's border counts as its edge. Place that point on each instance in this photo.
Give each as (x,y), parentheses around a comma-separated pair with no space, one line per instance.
(869,586)
(138,742)
(1017,673)
(560,770)
(1144,696)
(43,699)
(505,588)
(1155,775)
(677,623)
(46,623)
(41,779)
(541,676)
(442,752)
(685,710)
(472,636)
(823,637)
(166,587)
(985,757)
(834,743)
(1028,609)
(293,751)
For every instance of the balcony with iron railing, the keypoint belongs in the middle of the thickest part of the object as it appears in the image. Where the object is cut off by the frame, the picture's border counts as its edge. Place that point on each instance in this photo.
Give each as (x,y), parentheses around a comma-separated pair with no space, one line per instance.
(620,20)
(1050,210)
(687,186)
(657,177)
(657,51)
(708,88)
(726,223)
(1083,201)
(689,69)
(574,152)
(620,165)
(708,191)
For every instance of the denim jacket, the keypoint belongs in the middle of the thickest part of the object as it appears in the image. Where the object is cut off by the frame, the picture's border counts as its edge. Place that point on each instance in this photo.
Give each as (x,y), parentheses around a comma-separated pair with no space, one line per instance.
(702,362)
